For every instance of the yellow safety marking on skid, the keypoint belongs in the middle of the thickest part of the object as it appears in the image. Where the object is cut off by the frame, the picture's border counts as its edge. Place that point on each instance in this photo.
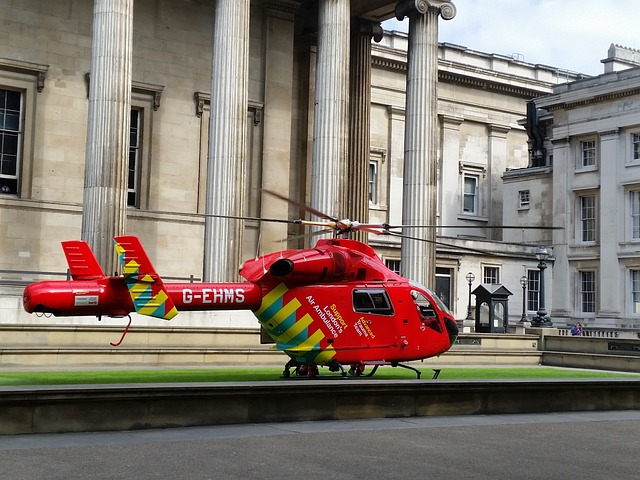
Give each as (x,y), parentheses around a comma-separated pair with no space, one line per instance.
(309,343)
(271,297)
(293,331)
(324,356)
(285,312)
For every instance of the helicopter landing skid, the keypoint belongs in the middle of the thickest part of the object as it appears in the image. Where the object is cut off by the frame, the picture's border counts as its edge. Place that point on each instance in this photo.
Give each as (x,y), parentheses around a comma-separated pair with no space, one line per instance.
(408,367)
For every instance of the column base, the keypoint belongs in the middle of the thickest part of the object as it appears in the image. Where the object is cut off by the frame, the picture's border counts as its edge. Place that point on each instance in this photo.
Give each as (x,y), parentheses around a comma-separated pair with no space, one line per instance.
(541,321)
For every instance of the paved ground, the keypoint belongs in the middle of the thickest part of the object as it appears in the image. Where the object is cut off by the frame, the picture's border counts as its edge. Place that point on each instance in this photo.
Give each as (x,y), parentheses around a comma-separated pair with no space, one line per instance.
(600,445)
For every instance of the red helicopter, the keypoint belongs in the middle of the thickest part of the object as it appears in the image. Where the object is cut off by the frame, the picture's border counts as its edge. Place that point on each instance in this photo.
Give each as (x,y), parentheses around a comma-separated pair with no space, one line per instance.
(332,305)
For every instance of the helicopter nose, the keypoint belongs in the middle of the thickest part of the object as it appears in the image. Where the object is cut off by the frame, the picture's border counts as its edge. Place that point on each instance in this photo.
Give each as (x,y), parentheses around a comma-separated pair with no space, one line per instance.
(452,329)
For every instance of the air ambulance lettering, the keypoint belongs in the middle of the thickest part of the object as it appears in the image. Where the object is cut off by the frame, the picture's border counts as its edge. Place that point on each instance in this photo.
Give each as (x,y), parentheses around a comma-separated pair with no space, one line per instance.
(329,315)
(213,296)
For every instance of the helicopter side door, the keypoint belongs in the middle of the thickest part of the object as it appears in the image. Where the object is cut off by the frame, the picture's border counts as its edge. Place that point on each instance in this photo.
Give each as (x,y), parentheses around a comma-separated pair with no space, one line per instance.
(374,313)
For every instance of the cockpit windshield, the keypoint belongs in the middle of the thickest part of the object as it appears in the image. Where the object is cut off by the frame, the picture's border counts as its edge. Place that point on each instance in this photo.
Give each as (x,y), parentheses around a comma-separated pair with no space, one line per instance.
(435,298)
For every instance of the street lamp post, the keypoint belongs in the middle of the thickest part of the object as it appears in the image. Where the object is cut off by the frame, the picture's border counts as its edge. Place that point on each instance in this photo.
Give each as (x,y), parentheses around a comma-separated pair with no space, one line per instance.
(541,319)
(523,282)
(470,278)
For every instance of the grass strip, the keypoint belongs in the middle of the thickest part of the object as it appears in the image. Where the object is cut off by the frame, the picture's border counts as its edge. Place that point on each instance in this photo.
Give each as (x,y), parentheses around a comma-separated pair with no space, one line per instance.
(75,377)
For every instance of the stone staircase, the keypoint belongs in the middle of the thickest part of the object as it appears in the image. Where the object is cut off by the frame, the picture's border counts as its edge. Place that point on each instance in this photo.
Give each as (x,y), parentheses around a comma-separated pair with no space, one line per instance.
(62,347)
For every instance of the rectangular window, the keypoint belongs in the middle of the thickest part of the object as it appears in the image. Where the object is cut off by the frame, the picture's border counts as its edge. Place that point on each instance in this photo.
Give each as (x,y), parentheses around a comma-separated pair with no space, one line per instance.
(635,147)
(635,215)
(635,291)
(523,196)
(491,275)
(10,140)
(588,291)
(393,265)
(133,182)
(374,300)
(373,179)
(588,218)
(470,196)
(588,152)
(533,290)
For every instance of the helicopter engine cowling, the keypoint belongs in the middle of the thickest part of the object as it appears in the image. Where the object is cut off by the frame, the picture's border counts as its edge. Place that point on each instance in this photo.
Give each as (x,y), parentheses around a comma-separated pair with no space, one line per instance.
(312,266)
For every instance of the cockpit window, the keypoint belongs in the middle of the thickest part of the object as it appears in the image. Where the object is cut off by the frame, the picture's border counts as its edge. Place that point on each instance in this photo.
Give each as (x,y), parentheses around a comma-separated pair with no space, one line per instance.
(426,311)
(436,299)
(372,300)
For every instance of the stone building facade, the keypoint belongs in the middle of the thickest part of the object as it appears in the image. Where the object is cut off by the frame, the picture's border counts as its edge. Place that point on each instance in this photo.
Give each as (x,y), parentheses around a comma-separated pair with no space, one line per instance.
(59,100)
(588,183)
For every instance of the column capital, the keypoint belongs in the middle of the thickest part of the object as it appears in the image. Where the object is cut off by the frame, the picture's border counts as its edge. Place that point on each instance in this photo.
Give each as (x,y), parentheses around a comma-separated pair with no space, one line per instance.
(611,134)
(360,26)
(445,8)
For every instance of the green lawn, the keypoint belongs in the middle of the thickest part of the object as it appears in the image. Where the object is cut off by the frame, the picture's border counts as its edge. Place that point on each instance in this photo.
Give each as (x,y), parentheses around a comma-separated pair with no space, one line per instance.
(270,374)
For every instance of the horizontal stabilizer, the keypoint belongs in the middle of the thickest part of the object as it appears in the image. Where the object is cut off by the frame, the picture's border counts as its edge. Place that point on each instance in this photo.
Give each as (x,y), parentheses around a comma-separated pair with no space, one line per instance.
(81,260)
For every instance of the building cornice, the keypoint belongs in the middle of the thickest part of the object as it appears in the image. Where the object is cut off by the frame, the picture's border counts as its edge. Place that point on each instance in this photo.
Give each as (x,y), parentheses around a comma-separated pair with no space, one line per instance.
(460,74)
(607,97)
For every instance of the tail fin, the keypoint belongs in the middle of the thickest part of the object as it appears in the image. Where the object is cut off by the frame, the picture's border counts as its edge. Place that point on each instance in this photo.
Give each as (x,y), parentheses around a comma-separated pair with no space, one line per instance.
(145,285)
(81,260)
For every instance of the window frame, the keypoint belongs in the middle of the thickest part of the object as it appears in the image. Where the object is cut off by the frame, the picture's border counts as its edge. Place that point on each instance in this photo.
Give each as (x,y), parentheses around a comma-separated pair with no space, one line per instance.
(634,215)
(16,133)
(588,226)
(634,147)
(29,79)
(634,291)
(391,263)
(486,275)
(474,195)
(588,153)
(372,308)
(583,294)
(372,180)
(524,199)
(533,290)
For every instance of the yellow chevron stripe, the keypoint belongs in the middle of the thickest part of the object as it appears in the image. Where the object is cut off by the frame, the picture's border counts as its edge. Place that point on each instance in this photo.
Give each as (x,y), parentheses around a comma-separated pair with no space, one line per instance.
(324,356)
(137,289)
(309,343)
(131,267)
(284,313)
(295,329)
(153,303)
(271,297)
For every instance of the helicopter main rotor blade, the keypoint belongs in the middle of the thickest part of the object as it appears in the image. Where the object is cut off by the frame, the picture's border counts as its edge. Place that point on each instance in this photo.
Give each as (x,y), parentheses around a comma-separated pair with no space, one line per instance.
(435,242)
(489,227)
(300,205)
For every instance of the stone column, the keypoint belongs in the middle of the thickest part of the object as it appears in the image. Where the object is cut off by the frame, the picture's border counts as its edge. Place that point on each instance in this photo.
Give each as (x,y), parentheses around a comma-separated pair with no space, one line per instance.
(562,281)
(278,111)
(227,132)
(497,166)
(609,286)
(449,171)
(107,151)
(357,184)
(331,107)
(421,135)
